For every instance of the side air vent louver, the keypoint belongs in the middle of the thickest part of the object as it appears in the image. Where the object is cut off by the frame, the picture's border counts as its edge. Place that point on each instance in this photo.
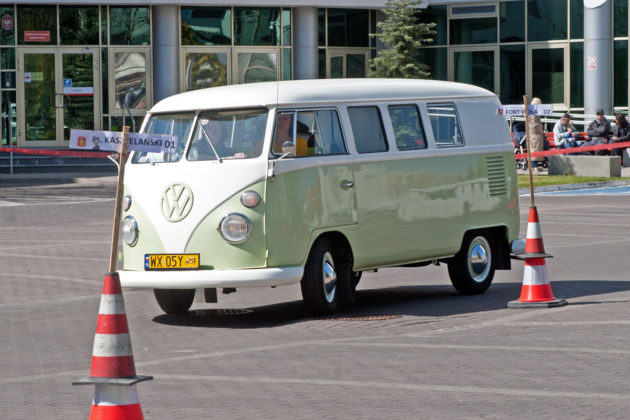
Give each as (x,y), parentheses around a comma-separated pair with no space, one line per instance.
(497,183)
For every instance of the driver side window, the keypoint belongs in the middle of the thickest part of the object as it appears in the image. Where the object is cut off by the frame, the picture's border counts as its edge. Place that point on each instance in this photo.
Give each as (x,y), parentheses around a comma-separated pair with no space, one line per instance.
(309,133)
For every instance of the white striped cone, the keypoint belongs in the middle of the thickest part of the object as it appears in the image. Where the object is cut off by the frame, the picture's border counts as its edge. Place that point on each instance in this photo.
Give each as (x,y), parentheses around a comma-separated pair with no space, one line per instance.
(112,356)
(536,287)
(116,402)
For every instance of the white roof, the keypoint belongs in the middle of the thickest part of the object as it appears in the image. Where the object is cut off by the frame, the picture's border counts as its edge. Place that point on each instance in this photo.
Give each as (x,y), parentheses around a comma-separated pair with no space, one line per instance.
(316,92)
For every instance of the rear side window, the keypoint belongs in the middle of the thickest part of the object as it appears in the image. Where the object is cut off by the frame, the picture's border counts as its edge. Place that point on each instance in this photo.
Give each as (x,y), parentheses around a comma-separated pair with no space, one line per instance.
(445,125)
(313,133)
(367,128)
(407,127)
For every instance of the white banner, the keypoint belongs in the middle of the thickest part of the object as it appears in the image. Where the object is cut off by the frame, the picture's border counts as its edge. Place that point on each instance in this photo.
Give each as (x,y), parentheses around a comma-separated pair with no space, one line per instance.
(112,141)
(519,110)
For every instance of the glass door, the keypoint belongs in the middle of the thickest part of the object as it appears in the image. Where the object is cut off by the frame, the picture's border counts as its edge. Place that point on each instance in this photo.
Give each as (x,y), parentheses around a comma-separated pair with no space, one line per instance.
(58,88)
(476,67)
(38,102)
(79,82)
(347,64)
(546,79)
(205,68)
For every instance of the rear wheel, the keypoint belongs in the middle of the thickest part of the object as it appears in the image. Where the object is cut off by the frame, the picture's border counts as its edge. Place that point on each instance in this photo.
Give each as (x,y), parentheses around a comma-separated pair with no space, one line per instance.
(321,280)
(174,301)
(472,269)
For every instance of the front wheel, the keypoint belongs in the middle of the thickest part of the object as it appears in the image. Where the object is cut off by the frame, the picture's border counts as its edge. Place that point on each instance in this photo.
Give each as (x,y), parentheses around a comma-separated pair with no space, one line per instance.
(174,301)
(472,269)
(320,283)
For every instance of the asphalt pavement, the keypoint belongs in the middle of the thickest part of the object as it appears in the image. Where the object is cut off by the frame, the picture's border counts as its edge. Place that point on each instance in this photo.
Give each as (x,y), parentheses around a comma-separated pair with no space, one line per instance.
(410,348)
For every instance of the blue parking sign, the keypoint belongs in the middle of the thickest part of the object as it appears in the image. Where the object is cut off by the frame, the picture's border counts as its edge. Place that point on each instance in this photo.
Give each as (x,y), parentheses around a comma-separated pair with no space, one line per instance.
(67,82)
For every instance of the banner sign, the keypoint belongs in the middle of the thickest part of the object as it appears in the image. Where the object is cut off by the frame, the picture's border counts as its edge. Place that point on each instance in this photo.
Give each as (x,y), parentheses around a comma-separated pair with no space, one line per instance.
(519,110)
(78,91)
(112,141)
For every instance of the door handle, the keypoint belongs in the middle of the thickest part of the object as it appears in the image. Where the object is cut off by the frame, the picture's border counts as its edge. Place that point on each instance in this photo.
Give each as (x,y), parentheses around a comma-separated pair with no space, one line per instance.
(346,184)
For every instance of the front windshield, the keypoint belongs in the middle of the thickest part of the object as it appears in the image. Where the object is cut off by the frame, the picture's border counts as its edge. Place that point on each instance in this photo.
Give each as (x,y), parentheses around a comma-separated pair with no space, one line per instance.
(174,124)
(228,135)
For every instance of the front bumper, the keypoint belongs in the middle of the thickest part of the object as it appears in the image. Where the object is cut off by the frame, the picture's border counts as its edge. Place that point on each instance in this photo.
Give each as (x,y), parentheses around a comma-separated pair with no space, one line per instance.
(255,277)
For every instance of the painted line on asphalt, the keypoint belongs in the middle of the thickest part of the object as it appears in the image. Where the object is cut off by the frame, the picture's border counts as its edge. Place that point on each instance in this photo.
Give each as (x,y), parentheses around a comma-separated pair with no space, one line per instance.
(47,277)
(10,248)
(480,347)
(56,257)
(522,392)
(590,244)
(568,323)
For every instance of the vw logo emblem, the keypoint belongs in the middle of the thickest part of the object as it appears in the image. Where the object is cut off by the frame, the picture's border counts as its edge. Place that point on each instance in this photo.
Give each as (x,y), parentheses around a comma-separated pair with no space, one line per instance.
(177,201)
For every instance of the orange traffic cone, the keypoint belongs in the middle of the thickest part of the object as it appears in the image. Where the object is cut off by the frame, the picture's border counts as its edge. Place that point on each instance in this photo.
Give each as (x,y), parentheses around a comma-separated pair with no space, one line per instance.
(113,370)
(536,291)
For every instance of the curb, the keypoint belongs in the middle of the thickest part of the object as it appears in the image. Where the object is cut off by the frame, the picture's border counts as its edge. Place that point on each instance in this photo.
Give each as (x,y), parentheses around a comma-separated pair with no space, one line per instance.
(570,187)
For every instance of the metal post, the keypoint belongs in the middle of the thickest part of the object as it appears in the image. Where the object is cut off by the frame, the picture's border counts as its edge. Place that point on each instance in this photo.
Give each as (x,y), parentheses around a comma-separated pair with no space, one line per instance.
(166,31)
(305,52)
(10,136)
(529,151)
(598,47)
(113,255)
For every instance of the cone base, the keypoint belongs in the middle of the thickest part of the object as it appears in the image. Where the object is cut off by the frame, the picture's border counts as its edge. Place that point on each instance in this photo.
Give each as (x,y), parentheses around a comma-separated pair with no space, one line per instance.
(555,303)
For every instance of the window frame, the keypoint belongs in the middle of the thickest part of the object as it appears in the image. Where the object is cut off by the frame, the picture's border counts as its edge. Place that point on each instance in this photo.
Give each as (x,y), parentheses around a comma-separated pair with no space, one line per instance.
(279,111)
(388,147)
(422,129)
(457,121)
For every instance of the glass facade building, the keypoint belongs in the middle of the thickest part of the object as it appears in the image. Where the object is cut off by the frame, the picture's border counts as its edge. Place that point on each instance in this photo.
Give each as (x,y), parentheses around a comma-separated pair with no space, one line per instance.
(517,47)
(80,64)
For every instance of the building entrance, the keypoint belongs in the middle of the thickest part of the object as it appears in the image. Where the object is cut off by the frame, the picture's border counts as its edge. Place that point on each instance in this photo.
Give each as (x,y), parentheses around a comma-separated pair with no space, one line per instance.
(58,91)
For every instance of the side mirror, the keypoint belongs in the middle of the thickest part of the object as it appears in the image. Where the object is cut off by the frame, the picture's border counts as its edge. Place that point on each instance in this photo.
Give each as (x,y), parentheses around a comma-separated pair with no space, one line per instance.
(288,148)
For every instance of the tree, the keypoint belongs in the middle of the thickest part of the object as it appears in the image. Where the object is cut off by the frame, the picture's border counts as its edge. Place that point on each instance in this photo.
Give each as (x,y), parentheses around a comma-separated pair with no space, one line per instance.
(403,34)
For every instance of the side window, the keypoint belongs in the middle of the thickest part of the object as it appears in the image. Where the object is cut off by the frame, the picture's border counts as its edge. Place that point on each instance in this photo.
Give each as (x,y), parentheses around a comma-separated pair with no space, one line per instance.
(407,127)
(367,128)
(445,125)
(313,133)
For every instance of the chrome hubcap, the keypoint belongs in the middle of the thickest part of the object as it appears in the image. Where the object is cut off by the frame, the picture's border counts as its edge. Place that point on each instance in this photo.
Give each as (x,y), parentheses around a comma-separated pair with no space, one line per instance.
(329,277)
(479,259)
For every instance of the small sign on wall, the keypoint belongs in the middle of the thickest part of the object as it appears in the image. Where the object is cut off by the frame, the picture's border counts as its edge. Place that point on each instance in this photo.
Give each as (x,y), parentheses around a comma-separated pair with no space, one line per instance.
(591,63)
(36,36)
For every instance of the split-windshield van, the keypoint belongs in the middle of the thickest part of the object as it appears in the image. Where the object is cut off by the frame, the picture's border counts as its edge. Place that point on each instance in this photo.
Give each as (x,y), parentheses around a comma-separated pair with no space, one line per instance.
(314,182)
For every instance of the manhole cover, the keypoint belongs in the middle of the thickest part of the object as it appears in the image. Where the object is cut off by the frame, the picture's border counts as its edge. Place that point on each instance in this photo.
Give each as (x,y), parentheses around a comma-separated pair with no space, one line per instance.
(362,318)
(220,312)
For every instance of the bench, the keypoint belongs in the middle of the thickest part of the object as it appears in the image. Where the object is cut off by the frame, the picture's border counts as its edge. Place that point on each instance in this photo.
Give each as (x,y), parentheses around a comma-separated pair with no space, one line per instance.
(604,166)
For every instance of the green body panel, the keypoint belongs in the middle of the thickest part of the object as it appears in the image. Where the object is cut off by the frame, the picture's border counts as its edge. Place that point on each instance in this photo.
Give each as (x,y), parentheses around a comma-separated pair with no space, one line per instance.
(215,252)
(303,202)
(419,209)
(409,210)
(149,241)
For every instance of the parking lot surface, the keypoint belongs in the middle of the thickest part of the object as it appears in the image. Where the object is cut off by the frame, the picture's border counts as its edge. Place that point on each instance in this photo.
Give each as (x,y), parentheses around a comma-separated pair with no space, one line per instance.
(410,348)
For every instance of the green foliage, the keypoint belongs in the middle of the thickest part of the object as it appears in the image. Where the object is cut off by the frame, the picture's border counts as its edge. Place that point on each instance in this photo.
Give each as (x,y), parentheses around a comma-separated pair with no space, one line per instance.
(403,34)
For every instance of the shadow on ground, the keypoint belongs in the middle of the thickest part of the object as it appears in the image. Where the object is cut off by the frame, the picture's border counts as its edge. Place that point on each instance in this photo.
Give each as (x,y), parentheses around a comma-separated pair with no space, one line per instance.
(419,301)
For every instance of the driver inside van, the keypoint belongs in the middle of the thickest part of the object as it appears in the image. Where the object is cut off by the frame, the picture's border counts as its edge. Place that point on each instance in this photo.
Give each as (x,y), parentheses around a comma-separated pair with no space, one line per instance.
(212,136)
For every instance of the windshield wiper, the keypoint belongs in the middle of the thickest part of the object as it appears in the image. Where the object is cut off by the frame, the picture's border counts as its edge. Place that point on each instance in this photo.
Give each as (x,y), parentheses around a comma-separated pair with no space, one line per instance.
(203,130)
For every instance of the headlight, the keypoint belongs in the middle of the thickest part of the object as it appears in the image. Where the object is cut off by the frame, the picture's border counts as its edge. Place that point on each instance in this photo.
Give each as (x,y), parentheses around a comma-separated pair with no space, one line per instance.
(250,199)
(126,202)
(235,228)
(129,231)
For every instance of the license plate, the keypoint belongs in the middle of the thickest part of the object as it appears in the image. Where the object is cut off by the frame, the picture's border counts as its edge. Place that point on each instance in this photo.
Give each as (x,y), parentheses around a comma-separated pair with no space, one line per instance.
(171,261)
